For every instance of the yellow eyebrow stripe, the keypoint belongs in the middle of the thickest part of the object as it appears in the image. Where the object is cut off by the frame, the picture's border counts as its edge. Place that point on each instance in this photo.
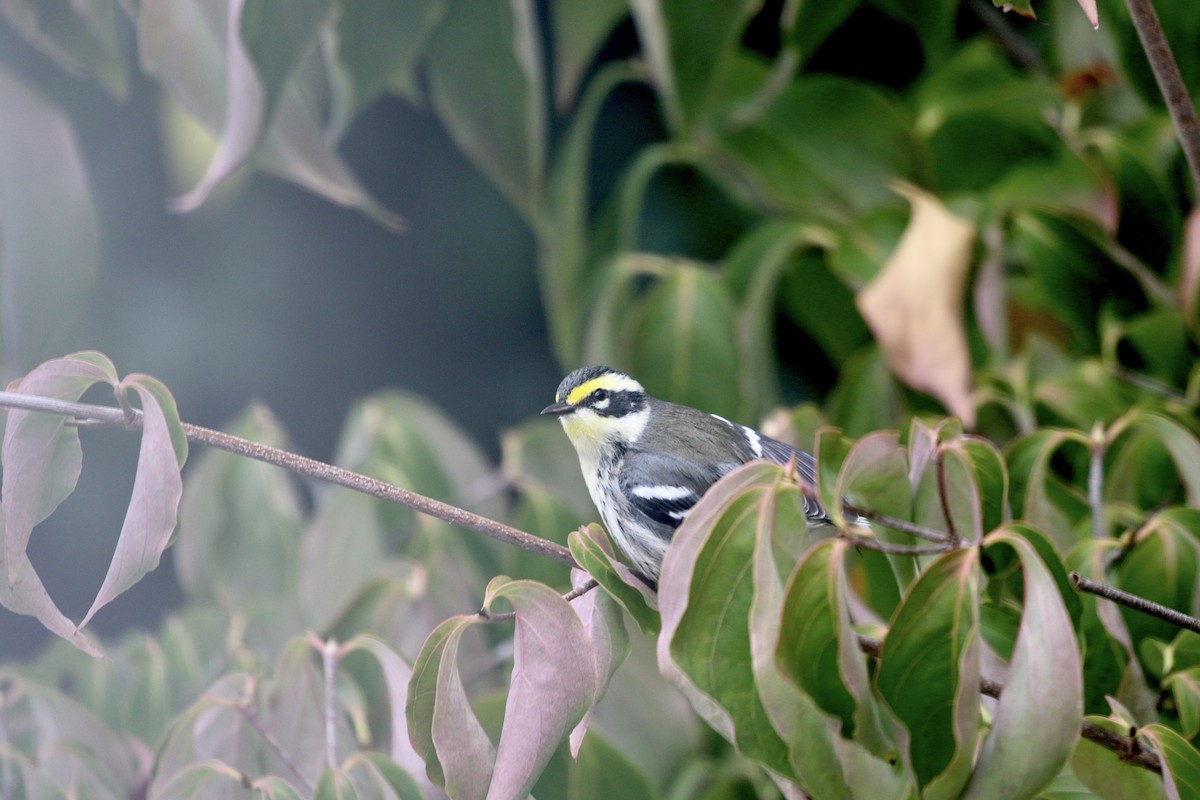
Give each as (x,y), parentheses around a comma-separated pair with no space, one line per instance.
(611,381)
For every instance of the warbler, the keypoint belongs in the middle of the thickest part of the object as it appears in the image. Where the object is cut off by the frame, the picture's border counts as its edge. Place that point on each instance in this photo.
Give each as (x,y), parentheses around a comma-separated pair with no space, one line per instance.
(646,461)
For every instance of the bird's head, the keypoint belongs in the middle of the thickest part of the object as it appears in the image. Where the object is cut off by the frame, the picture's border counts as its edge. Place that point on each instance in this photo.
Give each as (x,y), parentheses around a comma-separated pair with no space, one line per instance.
(599,405)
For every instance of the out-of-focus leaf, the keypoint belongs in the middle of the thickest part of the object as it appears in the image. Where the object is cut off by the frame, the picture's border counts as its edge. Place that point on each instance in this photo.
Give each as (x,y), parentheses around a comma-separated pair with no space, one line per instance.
(553,683)
(378,43)
(1185,688)
(867,397)
(1107,775)
(592,549)
(1181,762)
(929,673)
(239,523)
(579,29)
(752,270)
(684,335)
(82,38)
(486,82)
(915,305)
(811,23)
(1072,273)
(185,44)
(396,676)
(381,774)
(1036,488)
(539,452)
(74,745)
(48,260)
(1163,566)
(706,591)
(564,245)
(600,772)
(1179,442)
(444,730)
(686,45)
(1036,721)
(811,153)
(605,629)
(157,489)
(202,779)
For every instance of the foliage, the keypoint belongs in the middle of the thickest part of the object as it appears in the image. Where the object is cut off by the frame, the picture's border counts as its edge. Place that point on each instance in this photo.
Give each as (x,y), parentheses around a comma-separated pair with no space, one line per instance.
(330,647)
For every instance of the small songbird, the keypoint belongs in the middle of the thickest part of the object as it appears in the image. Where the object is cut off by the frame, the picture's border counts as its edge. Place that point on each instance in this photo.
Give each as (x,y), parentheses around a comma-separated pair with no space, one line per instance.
(646,461)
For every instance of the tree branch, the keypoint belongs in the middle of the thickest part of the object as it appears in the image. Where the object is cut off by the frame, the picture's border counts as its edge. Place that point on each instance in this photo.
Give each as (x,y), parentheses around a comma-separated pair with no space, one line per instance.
(1126,747)
(1141,604)
(1170,82)
(104,416)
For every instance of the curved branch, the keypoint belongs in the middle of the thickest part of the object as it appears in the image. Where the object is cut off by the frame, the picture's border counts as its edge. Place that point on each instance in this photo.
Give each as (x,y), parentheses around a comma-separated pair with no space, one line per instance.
(104,416)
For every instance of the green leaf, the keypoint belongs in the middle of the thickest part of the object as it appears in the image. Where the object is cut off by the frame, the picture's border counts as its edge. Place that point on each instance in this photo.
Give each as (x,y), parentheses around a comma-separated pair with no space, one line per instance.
(706,591)
(486,83)
(1178,440)
(240,523)
(1185,688)
(48,261)
(929,673)
(378,42)
(579,29)
(683,335)
(1036,721)
(600,772)
(83,39)
(818,649)
(592,549)
(874,476)
(1037,492)
(1181,762)
(1163,566)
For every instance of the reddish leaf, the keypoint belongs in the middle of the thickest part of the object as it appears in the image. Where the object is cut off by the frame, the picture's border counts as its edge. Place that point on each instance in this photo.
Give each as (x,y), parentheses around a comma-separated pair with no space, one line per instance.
(157,487)
(605,629)
(41,455)
(444,730)
(553,683)
(1036,722)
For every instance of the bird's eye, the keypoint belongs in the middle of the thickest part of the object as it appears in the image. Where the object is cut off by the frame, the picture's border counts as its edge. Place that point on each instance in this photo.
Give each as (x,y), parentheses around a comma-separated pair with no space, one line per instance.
(600,395)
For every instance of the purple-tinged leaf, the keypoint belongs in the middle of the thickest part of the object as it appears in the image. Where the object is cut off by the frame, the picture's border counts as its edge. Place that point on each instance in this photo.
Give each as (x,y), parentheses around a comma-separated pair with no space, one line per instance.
(185,45)
(1036,722)
(605,628)
(1181,762)
(41,455)
(929,673)
(441,724)
(396,677)
(553,683)
(28,595)
(875,476)
(1089,9)
(157,488)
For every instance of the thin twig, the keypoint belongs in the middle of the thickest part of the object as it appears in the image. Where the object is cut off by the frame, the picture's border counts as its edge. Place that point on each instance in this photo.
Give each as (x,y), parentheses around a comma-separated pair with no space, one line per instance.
(944,496)
(899,549)
(509,616)
(308,467)
(903,526)
(1126,747)
(1096,481)
(329,662)
(248,712)
(1141,604)
(1170,82)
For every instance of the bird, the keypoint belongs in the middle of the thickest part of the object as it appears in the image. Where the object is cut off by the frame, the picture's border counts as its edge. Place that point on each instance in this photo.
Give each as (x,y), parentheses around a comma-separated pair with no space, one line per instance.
(646,462)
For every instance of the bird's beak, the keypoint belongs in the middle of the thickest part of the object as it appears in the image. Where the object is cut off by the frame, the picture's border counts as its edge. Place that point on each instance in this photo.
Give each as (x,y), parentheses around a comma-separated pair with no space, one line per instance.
(558,409)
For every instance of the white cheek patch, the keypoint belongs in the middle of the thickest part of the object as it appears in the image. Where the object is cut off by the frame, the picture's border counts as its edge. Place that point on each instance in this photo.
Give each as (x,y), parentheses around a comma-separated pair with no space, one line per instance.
(600,405)
(665,493)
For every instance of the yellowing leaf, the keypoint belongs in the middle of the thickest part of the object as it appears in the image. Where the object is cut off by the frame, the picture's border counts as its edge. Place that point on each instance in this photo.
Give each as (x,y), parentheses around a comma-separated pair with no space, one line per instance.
(915,305)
